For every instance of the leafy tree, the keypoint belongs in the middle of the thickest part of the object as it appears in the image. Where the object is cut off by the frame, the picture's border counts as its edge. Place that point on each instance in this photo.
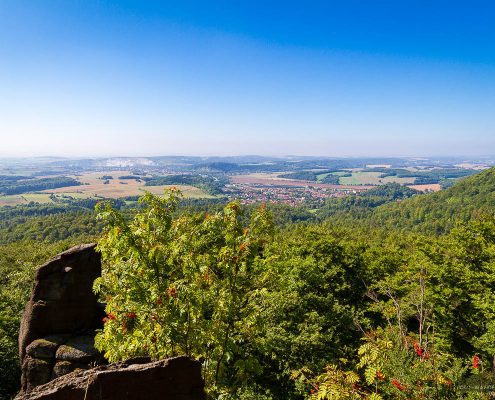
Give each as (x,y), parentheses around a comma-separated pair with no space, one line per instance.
(182,285)
(309,306)
(391,368)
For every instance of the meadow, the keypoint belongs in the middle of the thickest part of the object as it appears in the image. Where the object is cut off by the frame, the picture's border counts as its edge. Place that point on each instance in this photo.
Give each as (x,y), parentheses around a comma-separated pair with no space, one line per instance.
(95,186)
(373,178)
(273,179)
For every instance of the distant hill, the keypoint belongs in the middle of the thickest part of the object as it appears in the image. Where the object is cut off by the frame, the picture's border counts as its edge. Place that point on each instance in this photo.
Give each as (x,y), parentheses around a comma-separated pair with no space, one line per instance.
(438,212)
(361,206)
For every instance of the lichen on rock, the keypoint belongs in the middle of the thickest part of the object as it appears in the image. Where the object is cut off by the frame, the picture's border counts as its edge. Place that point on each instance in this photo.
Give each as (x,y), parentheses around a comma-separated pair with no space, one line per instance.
(79,349)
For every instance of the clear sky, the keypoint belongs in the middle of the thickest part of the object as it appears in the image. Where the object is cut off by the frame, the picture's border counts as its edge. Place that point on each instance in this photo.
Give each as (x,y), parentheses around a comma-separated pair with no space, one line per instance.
(334,78)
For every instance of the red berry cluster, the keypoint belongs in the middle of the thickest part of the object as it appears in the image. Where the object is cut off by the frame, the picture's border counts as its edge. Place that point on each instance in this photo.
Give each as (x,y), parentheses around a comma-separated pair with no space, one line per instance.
(421,352)
(313,389)
(476,362)
(418,349)
(398,385)
(109,316)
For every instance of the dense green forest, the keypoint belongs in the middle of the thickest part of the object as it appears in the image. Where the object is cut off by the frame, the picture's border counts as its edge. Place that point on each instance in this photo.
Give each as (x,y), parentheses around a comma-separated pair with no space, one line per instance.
(400,208)
(327,176)
(384,295)
(51,222)
(446,177)
(436,175)
(210,184)
(19,184)
(363,205)
(439,212)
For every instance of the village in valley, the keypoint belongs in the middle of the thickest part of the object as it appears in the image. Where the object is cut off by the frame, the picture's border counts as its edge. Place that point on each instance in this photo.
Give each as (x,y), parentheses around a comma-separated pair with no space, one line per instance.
(249,179)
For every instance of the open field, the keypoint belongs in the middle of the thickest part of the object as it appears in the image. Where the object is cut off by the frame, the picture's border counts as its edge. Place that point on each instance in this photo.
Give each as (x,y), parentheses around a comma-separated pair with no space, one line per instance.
(93,186)
(358,180)
(39,197)
(320,177)
(189,192)
(433,187)
(12,200)
(372,178)
(273,180)
(263,175)
(125,190)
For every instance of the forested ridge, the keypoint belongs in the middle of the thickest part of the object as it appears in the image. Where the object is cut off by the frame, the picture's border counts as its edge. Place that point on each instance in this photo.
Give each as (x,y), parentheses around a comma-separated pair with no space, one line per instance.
(210,184)
(20,184)
(438,212)
(397,207)
(385,295)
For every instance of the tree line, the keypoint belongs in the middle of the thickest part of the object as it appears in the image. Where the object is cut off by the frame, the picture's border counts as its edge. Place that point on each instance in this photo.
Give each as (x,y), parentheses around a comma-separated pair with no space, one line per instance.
(365,301)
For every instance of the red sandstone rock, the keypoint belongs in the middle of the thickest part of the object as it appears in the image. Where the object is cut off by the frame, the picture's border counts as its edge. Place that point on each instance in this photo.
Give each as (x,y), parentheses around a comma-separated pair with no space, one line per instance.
(62,308)
(175,379)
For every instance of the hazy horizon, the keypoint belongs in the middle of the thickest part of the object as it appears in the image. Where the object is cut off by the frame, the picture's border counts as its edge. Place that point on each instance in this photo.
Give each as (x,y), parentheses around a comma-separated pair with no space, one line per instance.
(253,155)
(148,78)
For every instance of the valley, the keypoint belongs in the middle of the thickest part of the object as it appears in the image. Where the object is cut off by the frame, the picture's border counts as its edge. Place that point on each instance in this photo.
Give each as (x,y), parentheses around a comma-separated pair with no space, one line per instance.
(250,179)
(329,246)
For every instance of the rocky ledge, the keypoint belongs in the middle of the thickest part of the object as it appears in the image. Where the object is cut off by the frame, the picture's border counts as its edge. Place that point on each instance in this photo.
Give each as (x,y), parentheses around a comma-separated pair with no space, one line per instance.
(56,355)
(176,378)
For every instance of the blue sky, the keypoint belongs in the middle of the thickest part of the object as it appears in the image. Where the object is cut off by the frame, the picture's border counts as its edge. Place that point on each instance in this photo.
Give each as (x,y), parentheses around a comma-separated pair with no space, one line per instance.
(330,78)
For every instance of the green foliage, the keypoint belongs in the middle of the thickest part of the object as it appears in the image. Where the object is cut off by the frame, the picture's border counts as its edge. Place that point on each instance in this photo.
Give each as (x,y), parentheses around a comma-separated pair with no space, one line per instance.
(392,367)
(358,306)
(31,185)
(9,180)
(399,208)
(435,175)
(182,285)
(77,226)
(362,205)
(333,384)
(302,175)
(333,179)
(438,212)
(432,312)
(51,222)
(389,192)
(211,184)
(328,177)
(311,298)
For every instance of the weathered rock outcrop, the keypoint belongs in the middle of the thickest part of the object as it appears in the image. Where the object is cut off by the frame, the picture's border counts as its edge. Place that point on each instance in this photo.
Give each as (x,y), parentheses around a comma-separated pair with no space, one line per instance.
(57,329)
(56,343)
(175,378)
